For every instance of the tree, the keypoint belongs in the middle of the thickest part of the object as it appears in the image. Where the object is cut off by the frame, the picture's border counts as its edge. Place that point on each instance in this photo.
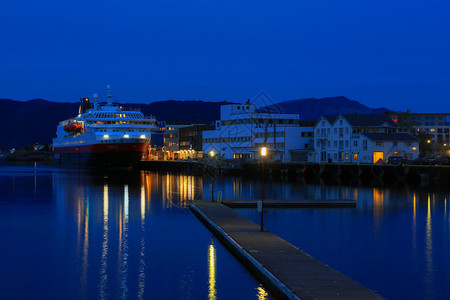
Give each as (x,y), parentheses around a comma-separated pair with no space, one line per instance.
(426,144)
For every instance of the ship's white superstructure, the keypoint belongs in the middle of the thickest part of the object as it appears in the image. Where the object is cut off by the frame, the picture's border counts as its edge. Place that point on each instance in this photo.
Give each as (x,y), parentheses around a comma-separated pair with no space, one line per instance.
(107,134)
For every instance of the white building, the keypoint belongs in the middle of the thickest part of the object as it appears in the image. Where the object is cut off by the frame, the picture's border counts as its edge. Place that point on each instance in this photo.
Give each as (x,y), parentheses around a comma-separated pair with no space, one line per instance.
(242,131)
(361,139)
(437,125)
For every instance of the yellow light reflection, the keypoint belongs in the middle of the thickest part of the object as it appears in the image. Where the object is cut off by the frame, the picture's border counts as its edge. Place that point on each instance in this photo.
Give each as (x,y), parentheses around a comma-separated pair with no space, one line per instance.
(378,199)
(166,191)
(104,259)
(85,245)
(212,295)
(142,203)
(429,243)
(185,188)
(141,276)
(262,294)
(445,207)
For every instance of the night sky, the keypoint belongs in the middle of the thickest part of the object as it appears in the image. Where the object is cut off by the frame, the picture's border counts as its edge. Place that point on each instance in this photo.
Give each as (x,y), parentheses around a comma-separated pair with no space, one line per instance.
(393,54)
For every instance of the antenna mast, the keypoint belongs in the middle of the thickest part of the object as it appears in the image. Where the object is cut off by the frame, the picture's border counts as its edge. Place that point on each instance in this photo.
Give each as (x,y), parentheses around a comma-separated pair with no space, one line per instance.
(95,101)
(108,95)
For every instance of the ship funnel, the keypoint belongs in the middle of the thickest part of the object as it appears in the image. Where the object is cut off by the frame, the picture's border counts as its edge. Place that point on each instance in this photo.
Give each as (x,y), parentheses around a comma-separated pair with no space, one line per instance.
(95,96)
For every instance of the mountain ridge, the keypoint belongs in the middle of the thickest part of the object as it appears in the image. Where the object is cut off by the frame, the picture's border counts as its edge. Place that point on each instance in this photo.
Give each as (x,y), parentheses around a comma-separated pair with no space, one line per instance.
(35,120)
(312,108)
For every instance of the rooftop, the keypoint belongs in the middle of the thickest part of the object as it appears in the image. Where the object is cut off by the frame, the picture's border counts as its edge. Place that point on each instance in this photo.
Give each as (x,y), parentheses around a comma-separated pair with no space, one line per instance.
(391,137)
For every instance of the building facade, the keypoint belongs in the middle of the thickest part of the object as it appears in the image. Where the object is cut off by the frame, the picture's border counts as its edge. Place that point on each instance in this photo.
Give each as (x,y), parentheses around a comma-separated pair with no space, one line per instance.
(242,131)
(361,139)
(190,140)
(436,125)
(172,142)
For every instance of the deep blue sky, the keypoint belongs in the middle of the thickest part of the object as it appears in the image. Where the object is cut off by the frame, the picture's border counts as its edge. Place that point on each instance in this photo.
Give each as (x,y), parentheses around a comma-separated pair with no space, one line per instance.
(394,54)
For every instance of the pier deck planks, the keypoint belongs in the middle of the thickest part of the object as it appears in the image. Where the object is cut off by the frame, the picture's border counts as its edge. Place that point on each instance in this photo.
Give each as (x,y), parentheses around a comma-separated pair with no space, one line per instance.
(288,272)
(290,203)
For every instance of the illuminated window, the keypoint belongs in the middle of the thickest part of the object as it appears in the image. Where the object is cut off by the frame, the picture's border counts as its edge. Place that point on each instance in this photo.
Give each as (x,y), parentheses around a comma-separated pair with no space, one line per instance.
(355,156)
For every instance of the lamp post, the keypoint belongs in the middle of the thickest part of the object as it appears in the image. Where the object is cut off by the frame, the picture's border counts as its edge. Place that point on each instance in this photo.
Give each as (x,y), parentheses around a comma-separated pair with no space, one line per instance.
(263,155)
(212,154)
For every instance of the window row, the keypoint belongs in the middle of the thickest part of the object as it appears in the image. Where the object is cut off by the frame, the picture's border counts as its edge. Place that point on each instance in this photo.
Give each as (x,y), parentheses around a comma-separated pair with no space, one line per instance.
(259,121)
(269,134)
(136,115)
(121,122)
(227,140)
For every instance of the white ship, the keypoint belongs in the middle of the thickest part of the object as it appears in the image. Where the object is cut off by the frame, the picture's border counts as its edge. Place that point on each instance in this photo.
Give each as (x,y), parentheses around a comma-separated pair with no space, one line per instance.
(103,135)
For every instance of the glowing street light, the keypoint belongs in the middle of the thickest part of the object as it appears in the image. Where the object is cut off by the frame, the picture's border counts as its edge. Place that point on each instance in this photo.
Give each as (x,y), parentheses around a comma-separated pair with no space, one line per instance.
(263,155)
(263,151)
(212,154)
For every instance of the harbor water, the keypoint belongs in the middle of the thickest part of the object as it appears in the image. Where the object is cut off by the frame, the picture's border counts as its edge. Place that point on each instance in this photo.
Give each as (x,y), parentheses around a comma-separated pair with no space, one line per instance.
(128,234)
(395,241)
(70,234)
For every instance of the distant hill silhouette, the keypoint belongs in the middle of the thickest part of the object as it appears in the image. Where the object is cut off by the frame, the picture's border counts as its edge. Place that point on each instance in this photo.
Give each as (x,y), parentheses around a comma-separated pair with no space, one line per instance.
(312,108)
(183,111)
(34,121)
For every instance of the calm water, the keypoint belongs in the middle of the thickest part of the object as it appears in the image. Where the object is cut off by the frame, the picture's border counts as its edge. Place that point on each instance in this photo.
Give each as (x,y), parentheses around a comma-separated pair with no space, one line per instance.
(69,235)
(396,241)
(79,235)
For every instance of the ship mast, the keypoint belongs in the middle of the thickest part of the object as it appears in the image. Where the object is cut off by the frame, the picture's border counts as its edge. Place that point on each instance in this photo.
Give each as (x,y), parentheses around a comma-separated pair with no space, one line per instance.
(95,101)
(109,95)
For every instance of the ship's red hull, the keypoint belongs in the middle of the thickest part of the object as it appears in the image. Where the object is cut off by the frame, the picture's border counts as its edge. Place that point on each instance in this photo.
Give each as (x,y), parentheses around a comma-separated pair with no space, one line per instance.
(103,155)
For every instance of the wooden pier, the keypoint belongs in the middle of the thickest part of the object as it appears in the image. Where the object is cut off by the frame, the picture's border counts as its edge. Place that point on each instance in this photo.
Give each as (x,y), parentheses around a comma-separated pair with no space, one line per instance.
(290,203)
(285,270)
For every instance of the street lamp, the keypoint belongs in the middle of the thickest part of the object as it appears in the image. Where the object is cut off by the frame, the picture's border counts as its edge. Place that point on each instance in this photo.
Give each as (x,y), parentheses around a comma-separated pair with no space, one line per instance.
(212,154)
(263,155)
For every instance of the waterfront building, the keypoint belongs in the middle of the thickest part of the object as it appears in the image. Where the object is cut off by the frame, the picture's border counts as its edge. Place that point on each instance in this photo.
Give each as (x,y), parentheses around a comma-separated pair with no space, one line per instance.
(242,130)
(172,142)
(184,141)
(361,139)
(437,125)
(190,140)
(155,149)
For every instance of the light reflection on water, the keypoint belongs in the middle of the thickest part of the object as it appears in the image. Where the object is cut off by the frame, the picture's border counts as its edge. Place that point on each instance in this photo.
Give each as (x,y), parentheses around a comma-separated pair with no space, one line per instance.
(395,241)
(104,259)
(212,272)
(111,236)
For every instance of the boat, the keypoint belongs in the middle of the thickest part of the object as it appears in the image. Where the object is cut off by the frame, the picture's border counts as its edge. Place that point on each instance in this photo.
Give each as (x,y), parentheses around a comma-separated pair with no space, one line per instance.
(103,135)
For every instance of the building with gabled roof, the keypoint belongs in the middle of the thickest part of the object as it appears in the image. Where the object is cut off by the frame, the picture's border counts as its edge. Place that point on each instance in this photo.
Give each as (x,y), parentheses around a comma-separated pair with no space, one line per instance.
(361,139)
